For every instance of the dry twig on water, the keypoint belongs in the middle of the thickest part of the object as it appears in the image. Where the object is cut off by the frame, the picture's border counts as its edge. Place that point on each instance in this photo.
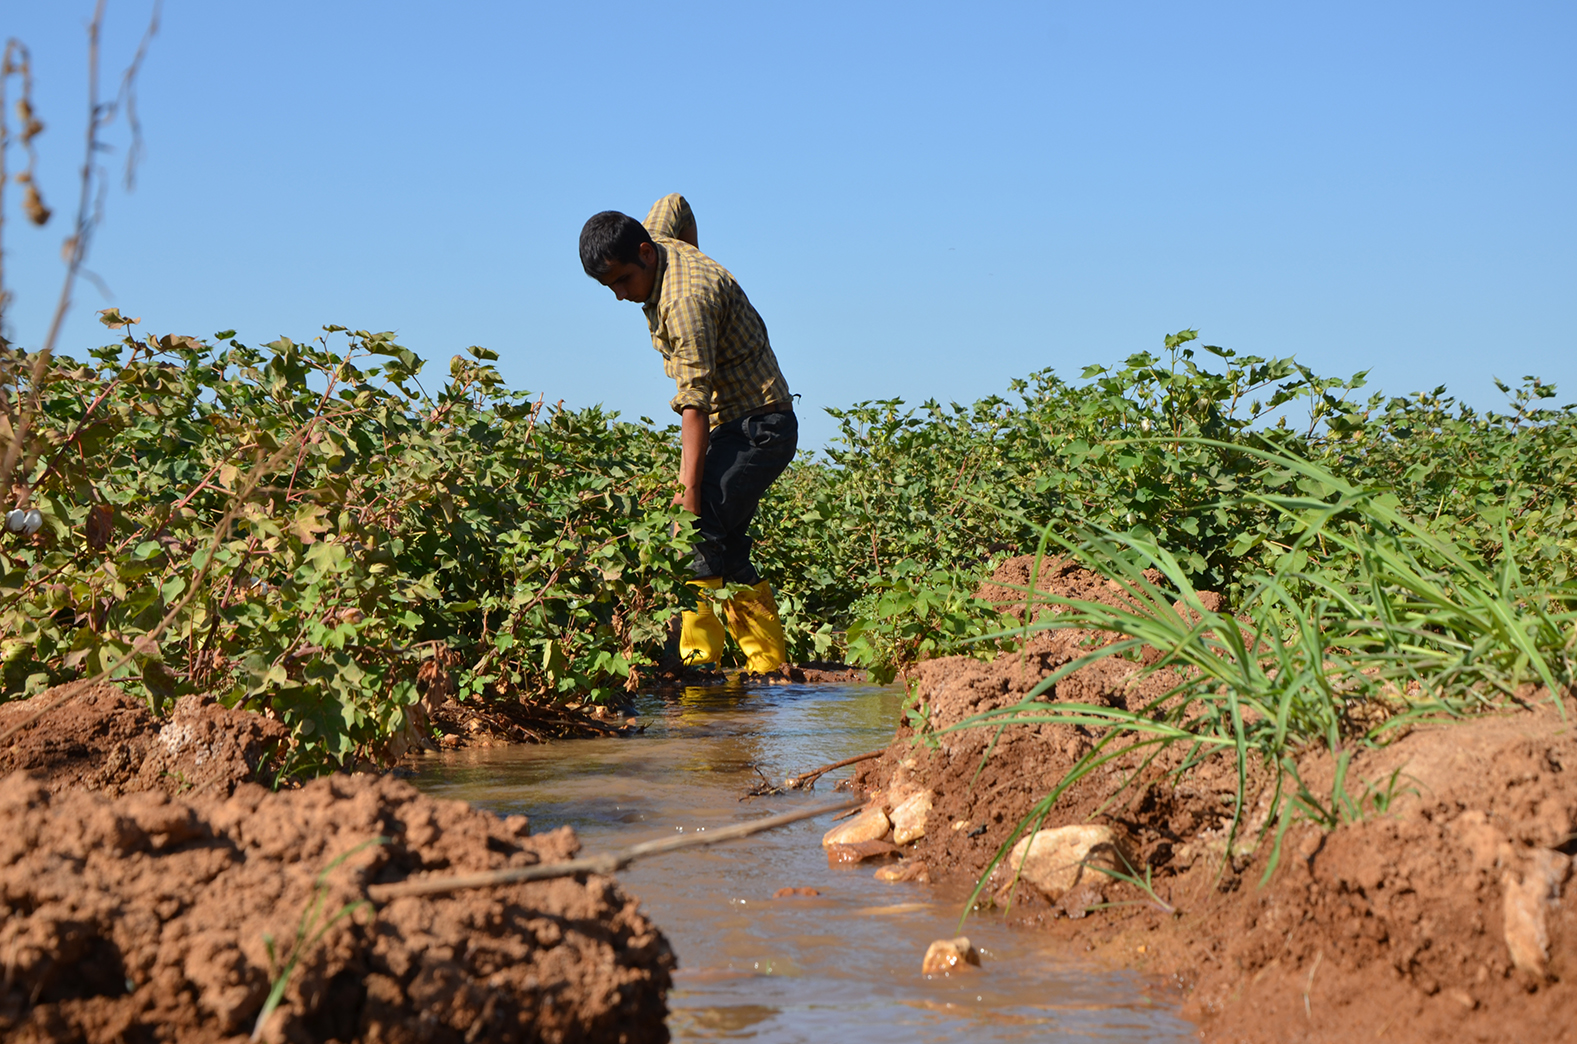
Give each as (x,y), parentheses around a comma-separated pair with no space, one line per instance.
(765,788)
(606,863)
(807,780)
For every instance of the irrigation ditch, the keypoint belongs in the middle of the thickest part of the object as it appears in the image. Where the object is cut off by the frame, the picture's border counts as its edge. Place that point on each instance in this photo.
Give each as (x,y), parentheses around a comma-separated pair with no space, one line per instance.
(1301,693)
(156,888)
(155,885)
(1275,717)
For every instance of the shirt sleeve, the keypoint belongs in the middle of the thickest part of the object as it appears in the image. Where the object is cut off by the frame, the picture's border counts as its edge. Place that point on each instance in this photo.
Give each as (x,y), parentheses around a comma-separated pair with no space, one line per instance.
(692,354)
(669,216)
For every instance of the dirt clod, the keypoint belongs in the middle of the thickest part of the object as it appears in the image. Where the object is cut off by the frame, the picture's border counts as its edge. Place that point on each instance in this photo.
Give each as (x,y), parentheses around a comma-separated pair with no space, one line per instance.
(106,741)
(147,917)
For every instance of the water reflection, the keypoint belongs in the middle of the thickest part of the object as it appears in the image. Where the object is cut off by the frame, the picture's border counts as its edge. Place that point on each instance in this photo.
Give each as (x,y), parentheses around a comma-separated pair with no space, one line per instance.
(719,1023)
(842,965)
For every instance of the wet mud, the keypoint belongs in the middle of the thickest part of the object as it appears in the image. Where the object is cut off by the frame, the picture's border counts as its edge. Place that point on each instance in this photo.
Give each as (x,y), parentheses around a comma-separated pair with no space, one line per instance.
(475,723)
(1439,916)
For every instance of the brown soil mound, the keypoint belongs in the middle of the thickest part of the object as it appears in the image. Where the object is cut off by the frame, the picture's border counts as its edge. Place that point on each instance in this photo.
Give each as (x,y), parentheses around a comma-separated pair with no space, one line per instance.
(485,723)
(152,918)
(1435,918)
(1009,586)
(106,741)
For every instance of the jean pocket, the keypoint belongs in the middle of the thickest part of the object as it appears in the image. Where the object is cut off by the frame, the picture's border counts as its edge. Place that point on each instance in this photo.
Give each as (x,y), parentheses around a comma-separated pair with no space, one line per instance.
(760,433)
(771,432)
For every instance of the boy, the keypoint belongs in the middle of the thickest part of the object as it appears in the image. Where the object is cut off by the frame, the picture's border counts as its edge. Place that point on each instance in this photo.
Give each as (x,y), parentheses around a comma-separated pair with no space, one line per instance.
(737,424)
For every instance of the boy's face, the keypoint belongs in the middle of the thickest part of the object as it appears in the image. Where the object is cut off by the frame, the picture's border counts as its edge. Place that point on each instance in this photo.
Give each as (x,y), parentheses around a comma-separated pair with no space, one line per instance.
(632,282)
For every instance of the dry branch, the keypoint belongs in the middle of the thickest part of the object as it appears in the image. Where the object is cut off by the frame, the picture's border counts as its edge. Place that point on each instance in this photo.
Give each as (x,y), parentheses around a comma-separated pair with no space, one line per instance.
(807,780)
(606,863)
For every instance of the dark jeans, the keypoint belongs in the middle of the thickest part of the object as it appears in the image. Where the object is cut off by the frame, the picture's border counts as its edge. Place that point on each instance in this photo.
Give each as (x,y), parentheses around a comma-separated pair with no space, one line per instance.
(743,458)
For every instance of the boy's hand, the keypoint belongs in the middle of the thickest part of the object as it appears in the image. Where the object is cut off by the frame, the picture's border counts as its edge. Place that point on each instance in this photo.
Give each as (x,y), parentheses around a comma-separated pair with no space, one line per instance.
(690,502)
(695,434)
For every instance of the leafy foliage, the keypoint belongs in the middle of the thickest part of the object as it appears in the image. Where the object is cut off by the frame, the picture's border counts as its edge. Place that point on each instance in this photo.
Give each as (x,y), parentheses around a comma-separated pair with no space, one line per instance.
(309,532)
(302,531)
(1162,451)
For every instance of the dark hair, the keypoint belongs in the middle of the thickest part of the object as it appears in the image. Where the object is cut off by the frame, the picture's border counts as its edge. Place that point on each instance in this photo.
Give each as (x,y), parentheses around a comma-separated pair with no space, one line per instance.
(611,236)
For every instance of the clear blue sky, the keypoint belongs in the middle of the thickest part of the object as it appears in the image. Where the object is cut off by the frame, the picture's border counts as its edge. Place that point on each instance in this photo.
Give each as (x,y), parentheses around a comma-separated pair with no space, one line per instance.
(922,199)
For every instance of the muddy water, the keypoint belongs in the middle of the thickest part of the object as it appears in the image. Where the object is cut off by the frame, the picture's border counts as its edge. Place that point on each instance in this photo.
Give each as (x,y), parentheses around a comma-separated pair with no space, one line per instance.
(841,966)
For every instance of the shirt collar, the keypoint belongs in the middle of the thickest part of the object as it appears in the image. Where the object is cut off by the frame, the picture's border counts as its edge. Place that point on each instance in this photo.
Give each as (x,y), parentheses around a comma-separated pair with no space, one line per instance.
(657,281)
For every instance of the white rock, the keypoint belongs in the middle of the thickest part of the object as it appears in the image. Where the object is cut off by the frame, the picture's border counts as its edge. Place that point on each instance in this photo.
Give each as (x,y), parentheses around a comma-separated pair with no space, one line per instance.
(1529,897)
(1059,860)
(898,791)
(909,818)
(869,825)
(949,955)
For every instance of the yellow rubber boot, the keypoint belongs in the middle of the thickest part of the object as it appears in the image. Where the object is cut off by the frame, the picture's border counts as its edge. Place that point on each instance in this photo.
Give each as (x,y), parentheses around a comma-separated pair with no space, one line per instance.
(701,632)
(753,619)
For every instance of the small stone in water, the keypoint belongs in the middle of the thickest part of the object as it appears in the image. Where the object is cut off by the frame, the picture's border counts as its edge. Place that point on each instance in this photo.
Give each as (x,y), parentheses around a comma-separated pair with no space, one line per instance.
(949,955)
(837,855)
(906,870)
(790,893)
(870,825)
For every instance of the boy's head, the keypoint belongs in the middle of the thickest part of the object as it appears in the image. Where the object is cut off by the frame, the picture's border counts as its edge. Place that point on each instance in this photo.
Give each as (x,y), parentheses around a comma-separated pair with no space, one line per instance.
(616,250)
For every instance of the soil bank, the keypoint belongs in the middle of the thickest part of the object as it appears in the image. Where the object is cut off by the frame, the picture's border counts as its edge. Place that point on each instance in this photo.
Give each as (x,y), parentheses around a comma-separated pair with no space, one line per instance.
(1440,918)
(150,891)
(105,741)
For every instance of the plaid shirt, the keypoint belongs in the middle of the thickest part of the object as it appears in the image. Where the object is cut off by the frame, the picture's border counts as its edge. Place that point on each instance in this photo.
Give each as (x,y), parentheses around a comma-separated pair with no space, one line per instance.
(713,343)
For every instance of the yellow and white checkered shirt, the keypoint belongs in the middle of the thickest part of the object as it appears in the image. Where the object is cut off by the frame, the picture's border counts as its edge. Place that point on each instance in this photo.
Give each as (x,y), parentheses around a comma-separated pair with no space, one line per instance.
(714,344)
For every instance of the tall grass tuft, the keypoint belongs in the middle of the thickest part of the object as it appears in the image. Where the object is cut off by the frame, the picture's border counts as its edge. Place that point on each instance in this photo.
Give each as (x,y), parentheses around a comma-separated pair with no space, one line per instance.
(1367,619)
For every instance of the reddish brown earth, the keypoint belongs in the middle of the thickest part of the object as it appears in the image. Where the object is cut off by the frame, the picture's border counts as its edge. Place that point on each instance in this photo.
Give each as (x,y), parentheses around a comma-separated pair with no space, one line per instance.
(147,917)
(106,741)
(818,672)
(1399,927)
